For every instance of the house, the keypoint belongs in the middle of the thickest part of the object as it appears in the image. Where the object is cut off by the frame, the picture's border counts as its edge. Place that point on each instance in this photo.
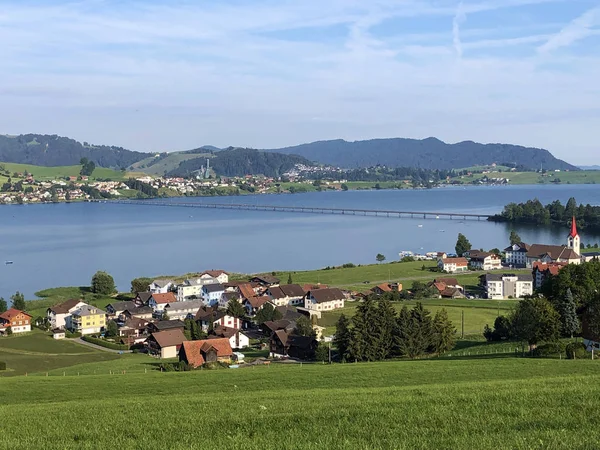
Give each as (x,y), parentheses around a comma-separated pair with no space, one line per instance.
(140,312)
(57,314)
(118,308)
(441,255)
(265,280)
(221,276)
(246,290)
(385,288)
(58,333)
(237,339)
(160,286)
(166,344)
(324,299)
(86,320)
(484,260)
(183,310)
(254,304)
(271,327)
(284,344)
(142,298)
(498,287)
(310,287)
(516,254)
(18,321)
(211,293)
(208,316)
(542,270)
(286,294)
(227,297)
(189,290)
(198,353)
(164,325)
(133,327)
(289,313)
(158,301)
(590,256)
(452,265)
(570,253)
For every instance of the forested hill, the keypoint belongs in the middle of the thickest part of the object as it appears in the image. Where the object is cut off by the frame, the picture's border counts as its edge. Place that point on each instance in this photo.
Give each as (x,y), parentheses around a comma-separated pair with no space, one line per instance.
(238,162)
(52,150)
(430,153)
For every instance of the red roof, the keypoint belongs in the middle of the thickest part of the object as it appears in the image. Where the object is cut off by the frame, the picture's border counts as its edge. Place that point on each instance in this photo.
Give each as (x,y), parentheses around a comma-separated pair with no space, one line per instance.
(573,232)
(163,299)
(214,273)
(552,268)
(194,350)
(12,313)
(257,302)
(457,261)
(246,290)
(385,287)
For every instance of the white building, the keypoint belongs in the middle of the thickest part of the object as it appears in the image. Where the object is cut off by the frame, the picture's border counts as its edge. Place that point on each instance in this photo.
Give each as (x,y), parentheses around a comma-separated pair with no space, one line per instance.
(516,255)
(286,294)
(499,287)
(220,275)
(190,290)
(485,261)
(160,286)
(452,265)
(324,299)
(211,293)
(58,314)
(181,310)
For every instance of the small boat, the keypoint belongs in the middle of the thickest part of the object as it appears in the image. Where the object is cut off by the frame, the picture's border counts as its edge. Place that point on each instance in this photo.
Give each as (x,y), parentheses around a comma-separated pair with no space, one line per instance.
(442,231)
(420,226)
(8,262)
(437,217)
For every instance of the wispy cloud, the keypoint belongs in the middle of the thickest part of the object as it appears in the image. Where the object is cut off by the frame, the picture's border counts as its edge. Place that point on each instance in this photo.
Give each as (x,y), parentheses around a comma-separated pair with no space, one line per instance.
(578,29)
(459,18)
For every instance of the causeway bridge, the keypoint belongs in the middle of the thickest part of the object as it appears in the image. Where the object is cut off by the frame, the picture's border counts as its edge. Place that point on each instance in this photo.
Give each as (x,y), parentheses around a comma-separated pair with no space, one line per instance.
(313,210)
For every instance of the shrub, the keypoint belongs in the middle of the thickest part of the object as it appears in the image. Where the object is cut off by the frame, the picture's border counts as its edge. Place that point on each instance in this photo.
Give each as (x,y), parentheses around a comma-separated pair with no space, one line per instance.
(550,349)
(576,350)
(2,365)
(167,367)
(70,335)
(348,266)
(105,344)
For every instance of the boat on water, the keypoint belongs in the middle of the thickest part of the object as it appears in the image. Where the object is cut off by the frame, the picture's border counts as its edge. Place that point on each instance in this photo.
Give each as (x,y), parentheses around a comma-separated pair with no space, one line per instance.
(8,262)
(442,231)
(420,226)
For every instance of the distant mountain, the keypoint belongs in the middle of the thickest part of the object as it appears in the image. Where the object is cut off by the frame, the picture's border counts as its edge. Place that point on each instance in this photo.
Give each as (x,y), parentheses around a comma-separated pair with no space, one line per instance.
(430,153)
(237,162)
(589,167)
(53,150)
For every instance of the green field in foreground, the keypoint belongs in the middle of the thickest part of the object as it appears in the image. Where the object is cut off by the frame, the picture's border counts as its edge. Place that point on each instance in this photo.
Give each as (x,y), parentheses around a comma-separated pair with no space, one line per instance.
(46,173)
(489,403)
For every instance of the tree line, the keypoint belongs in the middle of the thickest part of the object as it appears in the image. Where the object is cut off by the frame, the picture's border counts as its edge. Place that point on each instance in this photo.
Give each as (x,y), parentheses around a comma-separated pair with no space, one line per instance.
(376,332)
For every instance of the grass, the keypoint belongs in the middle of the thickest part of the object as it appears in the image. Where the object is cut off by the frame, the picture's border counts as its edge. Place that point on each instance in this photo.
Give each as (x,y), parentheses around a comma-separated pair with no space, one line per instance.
(494,403)
(50,173)
(578,177)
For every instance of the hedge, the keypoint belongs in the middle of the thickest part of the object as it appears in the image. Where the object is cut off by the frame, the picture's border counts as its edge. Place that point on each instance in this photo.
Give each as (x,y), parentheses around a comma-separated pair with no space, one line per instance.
(105,344)
(2,365)
(576,350)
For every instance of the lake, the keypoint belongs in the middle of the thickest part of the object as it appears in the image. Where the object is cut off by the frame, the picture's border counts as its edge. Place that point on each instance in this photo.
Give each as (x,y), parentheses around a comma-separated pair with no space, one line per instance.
(65,244)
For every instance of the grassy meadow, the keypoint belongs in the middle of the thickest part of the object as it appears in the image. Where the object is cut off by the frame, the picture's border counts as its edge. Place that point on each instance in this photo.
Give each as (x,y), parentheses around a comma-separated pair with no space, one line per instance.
(51,173)
(578,177)
(461,404)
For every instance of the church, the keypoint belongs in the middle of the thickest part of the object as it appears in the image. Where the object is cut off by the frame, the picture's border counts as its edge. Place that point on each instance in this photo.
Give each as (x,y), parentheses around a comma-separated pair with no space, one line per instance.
(570,253)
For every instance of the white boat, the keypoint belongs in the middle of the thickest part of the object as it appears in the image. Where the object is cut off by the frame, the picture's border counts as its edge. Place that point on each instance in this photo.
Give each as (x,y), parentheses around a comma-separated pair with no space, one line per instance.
(437,217)
(420,226)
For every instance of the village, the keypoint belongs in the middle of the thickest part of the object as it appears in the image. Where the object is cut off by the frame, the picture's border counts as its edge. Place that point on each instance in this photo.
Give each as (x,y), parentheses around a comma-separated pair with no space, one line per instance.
(209,318)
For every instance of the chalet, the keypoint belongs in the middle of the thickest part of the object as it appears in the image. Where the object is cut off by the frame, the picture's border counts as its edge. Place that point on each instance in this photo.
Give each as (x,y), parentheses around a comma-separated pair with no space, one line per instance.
(284,344)
(160,286)
(265,280)
(272,326)
(164,325)
(166,344)
(254,304)
(289,313)
(118,308)
(158,302)
(140,312)
(385,288)
(237,339)
(198,353)
(220,275)
(286,294)
(484,260)
(227,297)
(324,299)
(452,265)
(211,293)
(57,314)
(208,317)
(183,310)
(448,288)
(542,270)
(498,287)
(516,254)
(133,327)
(18,321)
(142,298)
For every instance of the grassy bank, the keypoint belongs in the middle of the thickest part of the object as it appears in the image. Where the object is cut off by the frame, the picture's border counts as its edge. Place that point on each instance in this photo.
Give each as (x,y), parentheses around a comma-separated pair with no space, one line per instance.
(51,173)
(499,403)
(578,177)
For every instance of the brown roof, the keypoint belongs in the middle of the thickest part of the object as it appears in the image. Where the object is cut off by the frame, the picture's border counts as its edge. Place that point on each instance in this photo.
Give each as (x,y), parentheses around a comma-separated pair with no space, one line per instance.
(385,287)
(292,290)
(523,247)
(266,279)
(63,308)
(144,296)
(552,268)
(136,323)
(12,313)
(447,281)
(169,338)
(223,332)
(280,324)
(553,251)
(257,302)
(439,285)
(326,295)
(214,273)
(163,299)
(193,350)
(310,287)
(246,290)
(457,261)
(451,292)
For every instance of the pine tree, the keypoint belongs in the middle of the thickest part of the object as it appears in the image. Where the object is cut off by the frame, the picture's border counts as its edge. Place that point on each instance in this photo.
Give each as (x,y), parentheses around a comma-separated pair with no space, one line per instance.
(3,305)
(343,337)
(290,281)
(444,333)
(403,336)
(568,314)
(514,238)
(235,308)
(421,329)
(386,324)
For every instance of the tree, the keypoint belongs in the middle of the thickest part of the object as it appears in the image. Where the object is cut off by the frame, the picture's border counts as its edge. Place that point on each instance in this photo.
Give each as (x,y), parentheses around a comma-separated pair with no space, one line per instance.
(421,331)
(112,329)
(462,244)
(502,329)
(343,337)
(140,285)
(304,327)
(3,305)
(18,301)
(322,352)
(568,315)
(514,238)
(103,283)
(444,333)
(267,313)
(290,281)
(380,258)
(235,308)
(535,320)
(9,331)
(344,187)
(402,338)
(385,328)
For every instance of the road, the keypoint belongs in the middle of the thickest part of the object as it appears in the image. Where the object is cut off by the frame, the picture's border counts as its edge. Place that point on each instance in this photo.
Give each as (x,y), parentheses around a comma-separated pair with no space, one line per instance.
(98,347)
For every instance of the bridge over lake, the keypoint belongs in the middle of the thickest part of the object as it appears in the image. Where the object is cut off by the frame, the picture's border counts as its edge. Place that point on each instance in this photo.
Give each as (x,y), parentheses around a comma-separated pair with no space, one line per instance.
(313,210)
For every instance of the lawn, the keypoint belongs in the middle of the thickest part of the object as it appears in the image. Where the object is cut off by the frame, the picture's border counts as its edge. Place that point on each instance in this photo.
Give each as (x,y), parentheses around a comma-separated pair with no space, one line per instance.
(41,172)
(578,177)
(510,403)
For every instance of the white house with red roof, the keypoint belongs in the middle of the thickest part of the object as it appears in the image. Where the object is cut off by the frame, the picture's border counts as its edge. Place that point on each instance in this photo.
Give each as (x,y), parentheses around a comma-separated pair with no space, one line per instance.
(18,321)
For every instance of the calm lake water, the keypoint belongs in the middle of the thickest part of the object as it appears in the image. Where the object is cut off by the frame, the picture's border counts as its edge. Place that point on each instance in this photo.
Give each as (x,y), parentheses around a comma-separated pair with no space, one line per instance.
(64,244)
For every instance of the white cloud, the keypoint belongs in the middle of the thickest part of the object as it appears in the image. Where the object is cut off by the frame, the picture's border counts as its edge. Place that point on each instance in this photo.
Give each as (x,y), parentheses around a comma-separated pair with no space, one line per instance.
(459,18)
(578,29)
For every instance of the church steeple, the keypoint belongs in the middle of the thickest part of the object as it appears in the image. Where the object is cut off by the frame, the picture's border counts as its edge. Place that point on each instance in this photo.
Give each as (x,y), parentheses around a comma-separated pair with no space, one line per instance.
(573,240)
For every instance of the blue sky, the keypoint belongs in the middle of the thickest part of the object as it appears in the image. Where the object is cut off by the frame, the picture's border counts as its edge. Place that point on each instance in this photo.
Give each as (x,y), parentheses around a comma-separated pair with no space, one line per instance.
(172,75)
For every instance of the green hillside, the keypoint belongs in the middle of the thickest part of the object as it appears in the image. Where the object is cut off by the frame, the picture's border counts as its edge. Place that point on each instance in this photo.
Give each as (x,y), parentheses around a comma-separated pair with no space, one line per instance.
(510,403)
(159,165)
(576,177)
(48,173)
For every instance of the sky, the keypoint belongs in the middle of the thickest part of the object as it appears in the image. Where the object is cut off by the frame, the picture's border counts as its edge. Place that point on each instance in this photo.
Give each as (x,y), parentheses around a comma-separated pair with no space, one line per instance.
(158,75)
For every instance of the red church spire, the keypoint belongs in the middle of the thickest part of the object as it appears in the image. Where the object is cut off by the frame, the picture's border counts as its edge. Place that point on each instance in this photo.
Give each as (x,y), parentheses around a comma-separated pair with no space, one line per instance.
(573,228)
